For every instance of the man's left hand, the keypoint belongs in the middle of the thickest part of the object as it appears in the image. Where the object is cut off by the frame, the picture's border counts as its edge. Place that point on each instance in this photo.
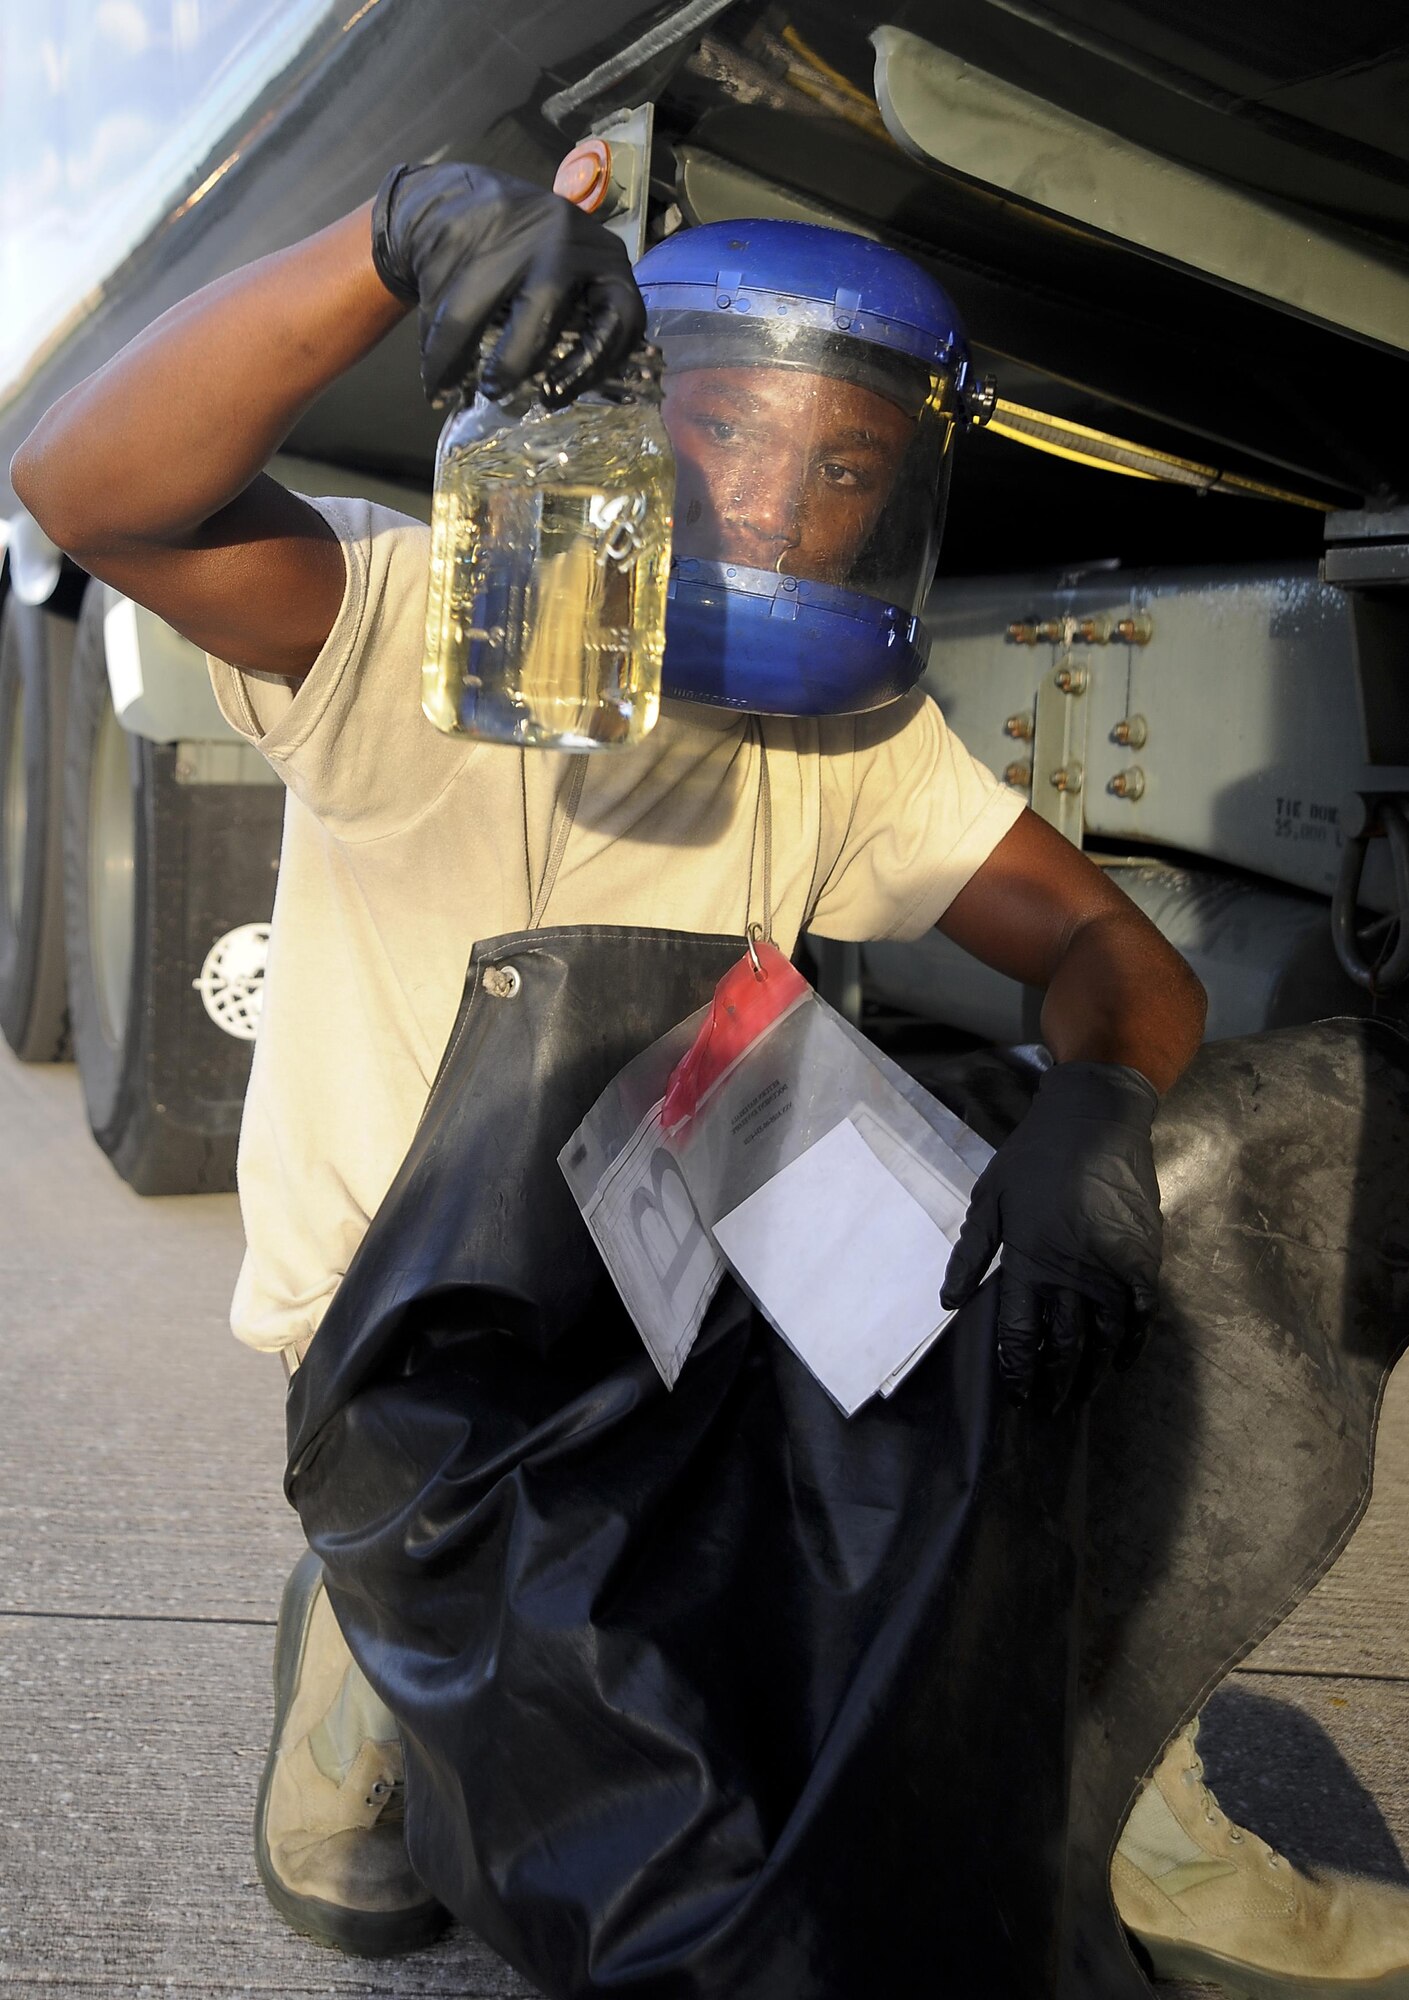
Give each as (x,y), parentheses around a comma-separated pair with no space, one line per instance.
(1072,1199)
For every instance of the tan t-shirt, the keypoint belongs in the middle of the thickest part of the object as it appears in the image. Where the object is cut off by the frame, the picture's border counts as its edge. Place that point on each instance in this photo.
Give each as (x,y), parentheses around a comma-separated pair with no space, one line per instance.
(402,847)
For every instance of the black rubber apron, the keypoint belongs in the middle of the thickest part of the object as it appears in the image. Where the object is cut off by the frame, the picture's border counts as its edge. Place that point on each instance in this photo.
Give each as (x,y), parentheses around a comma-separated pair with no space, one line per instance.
(717,1693)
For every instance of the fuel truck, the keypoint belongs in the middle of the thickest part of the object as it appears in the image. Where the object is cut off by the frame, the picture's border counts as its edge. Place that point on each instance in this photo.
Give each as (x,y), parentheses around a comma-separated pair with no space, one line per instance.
(1173,601)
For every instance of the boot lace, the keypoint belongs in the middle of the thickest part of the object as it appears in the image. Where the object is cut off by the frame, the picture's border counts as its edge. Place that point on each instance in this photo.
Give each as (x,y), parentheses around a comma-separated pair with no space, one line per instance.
(1193,1774)
(389,1796)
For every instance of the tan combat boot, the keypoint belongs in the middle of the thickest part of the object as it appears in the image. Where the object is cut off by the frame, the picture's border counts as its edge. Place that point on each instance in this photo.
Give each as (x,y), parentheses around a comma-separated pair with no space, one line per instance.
(329,1834)
(1210,1900)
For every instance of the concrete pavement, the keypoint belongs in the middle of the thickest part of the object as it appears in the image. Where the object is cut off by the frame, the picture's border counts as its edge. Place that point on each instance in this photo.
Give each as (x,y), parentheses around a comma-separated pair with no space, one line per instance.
(144,1540)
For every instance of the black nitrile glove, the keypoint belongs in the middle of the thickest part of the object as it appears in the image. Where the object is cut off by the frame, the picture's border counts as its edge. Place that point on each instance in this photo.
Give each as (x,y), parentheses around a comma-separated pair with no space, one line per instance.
(464,243)
(1072,1197)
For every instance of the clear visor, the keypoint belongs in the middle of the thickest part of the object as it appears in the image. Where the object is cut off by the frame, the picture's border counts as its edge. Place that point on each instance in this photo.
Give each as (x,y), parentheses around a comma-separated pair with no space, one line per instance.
(806,453)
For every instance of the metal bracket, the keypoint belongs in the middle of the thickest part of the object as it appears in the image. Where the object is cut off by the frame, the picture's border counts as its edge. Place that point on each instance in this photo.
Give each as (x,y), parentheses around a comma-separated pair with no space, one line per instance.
(1369,815)
(1367,548)
(608,174)
(1059,747)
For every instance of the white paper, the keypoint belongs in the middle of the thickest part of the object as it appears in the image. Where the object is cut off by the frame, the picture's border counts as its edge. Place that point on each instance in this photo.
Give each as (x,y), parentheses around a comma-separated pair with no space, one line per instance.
(844,1262)
(662,1262)
(943,1197)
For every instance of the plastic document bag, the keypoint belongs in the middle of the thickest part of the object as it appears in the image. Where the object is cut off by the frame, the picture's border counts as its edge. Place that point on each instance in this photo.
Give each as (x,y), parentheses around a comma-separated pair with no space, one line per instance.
(626,1180)
(768,1136)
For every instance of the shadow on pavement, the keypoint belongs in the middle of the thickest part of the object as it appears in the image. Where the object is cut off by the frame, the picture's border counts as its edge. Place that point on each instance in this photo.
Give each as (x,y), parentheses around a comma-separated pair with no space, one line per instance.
(1276,1770)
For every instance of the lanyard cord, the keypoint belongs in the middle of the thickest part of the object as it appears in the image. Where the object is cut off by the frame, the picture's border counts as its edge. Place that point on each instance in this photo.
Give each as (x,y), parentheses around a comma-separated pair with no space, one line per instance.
(565,803)
(569,797)
(762,811)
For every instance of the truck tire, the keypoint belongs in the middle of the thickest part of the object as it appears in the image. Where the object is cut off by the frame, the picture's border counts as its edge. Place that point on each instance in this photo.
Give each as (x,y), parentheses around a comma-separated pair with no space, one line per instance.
(156,871)
(36,647)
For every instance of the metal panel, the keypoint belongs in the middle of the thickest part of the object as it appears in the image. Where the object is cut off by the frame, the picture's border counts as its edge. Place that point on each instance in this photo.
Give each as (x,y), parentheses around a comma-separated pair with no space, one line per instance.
(1242,697)
(941,108)
(716,190)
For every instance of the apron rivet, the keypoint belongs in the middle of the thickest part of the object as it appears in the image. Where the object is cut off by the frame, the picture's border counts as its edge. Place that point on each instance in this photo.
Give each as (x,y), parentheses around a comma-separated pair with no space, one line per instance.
(503,981)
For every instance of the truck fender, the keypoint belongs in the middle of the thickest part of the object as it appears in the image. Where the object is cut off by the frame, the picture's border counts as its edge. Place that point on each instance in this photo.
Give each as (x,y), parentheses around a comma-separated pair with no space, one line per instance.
(36,563)
(160,687)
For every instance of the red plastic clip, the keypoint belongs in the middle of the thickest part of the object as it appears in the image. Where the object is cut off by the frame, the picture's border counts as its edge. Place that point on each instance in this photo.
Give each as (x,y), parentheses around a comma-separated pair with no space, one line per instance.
(751,998)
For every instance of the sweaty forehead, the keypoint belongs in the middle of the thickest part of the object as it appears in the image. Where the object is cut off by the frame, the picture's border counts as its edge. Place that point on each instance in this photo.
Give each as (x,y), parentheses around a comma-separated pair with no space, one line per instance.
(798,396)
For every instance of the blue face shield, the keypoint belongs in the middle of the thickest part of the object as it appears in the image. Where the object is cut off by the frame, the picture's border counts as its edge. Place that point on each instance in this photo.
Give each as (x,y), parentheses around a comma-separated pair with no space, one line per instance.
(813,383)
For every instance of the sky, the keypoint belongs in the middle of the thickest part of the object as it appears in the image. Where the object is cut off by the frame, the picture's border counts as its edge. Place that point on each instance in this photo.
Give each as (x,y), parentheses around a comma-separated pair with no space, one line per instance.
(107,109)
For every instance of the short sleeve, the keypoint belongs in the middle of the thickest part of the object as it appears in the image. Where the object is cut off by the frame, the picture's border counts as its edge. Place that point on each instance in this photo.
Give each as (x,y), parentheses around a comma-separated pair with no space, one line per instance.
(910,816)
(350,740)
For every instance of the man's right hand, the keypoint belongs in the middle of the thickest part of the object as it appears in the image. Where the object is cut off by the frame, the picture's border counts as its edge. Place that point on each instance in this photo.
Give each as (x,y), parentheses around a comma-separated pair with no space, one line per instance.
(149,472)
(467,245)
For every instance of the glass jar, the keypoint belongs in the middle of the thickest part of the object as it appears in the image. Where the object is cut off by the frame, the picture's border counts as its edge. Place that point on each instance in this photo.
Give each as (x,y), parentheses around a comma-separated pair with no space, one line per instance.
(550,556)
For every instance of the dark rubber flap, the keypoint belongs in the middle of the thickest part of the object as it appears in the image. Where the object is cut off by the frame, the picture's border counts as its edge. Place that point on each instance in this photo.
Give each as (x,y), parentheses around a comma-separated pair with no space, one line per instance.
(715,1692)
